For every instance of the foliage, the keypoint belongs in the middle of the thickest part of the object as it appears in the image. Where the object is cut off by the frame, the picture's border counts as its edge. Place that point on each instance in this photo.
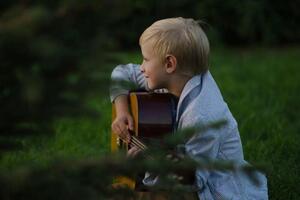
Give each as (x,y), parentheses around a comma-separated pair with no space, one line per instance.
(45,70)
(92,178)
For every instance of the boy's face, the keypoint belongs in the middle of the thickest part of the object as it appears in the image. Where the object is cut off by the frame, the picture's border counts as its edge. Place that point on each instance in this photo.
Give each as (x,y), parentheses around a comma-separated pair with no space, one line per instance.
(153,68)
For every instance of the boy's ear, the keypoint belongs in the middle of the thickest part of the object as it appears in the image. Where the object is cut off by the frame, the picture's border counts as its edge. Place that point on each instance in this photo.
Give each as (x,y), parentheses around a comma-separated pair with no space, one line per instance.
(171,63)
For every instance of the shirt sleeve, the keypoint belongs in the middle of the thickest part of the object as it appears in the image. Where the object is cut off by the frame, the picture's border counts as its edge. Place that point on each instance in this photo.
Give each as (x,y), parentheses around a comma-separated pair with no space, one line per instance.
(125,78)
(150,179)
(203,146)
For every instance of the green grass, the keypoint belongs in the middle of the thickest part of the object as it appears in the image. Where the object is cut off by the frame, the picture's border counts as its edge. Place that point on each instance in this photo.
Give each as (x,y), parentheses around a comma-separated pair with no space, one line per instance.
(72,138)
(261,87)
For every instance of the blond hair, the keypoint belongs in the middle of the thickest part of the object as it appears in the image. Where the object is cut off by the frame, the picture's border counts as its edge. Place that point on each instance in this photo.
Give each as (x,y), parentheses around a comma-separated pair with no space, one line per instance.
(184,39)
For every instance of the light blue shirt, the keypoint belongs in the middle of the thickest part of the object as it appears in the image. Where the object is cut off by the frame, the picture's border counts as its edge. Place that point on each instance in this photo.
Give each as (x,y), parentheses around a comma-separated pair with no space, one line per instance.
(201,102)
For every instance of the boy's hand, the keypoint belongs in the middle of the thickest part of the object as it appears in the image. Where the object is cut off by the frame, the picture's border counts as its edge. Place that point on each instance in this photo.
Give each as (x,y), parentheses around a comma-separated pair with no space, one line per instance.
(122,124)
(123,121)
(133,151)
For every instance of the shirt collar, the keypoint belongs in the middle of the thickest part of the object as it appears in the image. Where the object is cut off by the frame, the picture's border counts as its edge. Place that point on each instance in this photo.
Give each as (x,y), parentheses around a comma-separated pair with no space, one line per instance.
(192,83)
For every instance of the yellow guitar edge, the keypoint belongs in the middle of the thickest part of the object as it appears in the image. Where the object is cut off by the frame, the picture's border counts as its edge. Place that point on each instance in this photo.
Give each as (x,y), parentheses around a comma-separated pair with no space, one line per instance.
(113,141)
(123,181)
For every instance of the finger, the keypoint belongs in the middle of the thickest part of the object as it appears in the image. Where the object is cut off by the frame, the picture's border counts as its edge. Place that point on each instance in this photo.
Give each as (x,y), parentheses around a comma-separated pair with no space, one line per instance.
(132,152)
(116,126)
(123,128)
(124,134)
(129,152)
(136,152)
(115,129)
(130,123)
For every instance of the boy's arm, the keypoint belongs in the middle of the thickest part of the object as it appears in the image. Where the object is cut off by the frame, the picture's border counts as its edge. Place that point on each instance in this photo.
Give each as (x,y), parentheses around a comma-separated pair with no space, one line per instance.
(125,78)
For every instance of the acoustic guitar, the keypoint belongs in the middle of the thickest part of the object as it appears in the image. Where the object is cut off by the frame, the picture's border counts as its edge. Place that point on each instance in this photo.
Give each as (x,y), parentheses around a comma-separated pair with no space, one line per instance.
(153,118)
(153,115)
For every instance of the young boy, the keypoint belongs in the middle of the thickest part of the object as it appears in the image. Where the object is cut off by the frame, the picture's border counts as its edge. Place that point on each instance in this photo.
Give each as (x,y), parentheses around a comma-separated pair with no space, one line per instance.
(175,58)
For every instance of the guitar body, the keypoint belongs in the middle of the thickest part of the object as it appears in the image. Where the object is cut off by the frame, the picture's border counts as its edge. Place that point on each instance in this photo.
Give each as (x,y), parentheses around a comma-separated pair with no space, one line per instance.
(153,118)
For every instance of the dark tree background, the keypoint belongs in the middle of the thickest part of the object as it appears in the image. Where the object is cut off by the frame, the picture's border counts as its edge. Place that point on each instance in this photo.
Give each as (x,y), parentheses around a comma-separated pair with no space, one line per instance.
(47,48)
(51,50)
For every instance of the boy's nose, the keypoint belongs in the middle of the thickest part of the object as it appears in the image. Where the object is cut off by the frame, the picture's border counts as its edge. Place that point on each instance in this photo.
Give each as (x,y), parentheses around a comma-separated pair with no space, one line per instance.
(142,68)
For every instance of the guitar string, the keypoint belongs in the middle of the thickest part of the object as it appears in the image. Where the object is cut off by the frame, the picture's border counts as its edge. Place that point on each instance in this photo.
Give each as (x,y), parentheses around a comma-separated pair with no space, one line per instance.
(141,148)
(135,141)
